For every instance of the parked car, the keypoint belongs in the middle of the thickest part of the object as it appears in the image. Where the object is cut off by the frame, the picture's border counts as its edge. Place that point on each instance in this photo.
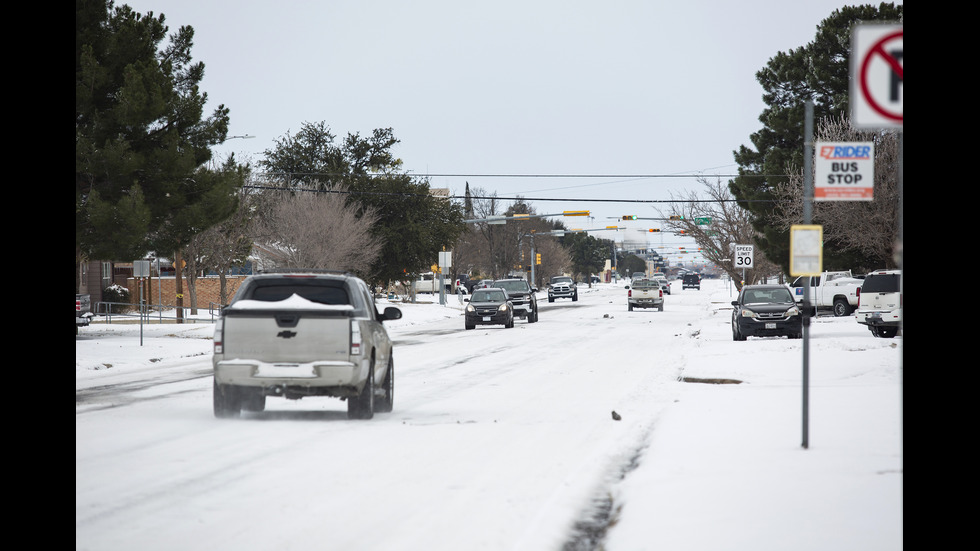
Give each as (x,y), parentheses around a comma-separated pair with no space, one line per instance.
(489,307)
(562,287)
(766,311)
(522,295)
(691,281)
(880,307)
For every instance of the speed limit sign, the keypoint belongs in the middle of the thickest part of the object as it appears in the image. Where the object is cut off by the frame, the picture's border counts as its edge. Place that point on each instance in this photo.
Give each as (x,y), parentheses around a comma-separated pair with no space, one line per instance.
(743,256)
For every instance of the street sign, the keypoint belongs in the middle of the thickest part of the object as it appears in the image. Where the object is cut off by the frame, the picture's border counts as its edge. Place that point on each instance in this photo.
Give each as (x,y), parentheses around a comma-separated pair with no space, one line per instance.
(702,221)
(844,171)
(877,91)
(744,256)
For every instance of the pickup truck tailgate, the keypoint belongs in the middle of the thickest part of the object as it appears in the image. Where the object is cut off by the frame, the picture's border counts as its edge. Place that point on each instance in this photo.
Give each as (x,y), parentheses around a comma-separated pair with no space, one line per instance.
(287,336)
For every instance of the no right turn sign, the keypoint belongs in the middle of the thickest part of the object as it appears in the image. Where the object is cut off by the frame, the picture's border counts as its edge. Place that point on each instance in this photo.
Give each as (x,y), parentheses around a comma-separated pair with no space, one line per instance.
(877,76)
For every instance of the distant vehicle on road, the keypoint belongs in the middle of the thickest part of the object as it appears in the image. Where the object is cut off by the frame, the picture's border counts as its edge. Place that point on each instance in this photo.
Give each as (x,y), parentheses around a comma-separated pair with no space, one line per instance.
(644,293)
(489,307)
(562,287)
(522,296)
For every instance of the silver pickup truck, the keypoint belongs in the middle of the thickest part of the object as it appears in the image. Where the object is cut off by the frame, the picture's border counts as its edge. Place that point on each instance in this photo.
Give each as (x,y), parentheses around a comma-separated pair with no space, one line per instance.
(295,335)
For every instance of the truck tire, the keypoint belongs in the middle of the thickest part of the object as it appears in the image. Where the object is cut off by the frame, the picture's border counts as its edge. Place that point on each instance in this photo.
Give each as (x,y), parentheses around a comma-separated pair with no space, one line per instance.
(629,306)
(362,405)
(885,332)
(841,307)
(227,401)
(387,400)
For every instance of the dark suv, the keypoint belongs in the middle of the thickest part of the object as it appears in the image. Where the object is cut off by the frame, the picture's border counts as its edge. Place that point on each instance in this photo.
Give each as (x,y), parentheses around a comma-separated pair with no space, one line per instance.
(522,296)
(766,311)
(692,280)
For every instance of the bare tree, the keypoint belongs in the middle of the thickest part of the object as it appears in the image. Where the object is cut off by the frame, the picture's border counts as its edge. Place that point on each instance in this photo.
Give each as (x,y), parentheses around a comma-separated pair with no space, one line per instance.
(729,225)
(869,227)
(316,230)
(228,244)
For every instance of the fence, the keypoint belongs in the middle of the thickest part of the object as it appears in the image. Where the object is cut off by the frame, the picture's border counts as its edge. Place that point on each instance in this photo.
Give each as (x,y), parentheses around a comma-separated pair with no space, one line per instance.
(124,312)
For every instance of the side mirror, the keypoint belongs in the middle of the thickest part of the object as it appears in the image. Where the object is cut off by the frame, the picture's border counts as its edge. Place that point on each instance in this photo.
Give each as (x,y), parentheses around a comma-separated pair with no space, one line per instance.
(392,313)
(627,286)
(735,303)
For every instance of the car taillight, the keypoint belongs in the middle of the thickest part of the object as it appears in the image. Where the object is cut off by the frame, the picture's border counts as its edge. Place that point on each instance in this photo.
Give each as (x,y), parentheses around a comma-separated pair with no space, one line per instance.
(355,338)
(630,293)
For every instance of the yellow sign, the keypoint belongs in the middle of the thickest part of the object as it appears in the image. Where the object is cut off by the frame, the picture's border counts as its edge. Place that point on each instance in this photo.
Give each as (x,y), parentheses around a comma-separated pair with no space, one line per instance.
(805,250)
(575,213)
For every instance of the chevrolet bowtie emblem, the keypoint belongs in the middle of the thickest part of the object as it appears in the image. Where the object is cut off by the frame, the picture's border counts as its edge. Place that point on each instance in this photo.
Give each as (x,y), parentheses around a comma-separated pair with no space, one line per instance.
(286,334)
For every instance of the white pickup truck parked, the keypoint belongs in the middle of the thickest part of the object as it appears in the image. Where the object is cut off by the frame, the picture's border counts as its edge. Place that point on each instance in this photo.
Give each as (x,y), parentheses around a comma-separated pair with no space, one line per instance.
(830,290)
(296,335)
(429,283)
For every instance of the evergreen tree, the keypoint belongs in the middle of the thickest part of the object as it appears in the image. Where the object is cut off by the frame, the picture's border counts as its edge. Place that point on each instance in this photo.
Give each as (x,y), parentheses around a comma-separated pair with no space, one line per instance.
(140,136)
(819,72)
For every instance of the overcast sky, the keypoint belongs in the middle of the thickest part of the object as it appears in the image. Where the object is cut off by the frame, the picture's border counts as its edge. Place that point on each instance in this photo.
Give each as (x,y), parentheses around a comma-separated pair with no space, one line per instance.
(617,89)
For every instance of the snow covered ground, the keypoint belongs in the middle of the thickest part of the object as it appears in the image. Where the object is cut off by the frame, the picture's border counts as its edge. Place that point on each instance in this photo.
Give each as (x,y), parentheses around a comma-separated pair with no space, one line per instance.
(504,439)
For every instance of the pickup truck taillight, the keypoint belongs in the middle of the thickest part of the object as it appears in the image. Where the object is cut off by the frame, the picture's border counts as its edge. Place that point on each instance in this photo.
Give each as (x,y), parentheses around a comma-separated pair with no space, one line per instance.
(218,336)
(355,338)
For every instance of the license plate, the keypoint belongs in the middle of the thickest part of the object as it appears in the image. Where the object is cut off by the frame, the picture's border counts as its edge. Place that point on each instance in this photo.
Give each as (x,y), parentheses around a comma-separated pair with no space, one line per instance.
(486,318)
(770,325)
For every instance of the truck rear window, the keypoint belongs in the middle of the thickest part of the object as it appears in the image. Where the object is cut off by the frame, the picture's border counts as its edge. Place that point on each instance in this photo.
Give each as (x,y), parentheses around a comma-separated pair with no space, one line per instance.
(882,283)
(320,293)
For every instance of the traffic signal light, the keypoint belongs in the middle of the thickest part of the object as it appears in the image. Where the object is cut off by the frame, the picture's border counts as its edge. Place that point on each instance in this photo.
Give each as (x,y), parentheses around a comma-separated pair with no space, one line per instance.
(629,217)
(537,259)
(654,229)
(676,217)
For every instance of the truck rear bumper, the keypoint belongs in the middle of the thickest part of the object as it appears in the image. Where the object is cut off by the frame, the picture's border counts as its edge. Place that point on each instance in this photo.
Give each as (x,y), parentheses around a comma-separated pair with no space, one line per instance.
(325,374)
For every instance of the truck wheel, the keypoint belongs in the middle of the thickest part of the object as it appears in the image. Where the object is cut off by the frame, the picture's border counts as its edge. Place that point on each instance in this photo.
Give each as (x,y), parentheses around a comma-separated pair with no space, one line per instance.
(227,401)
(887,332)
(841,307)
(575,297)
(387,400)
(550,299)
(532,316)
(660,308)
(629,306)
(362,405)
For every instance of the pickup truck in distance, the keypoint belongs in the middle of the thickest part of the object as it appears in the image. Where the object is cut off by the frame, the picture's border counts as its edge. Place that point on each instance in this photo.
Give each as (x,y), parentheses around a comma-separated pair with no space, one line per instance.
(645,293)
(83,311)
(830,290)
(296,335)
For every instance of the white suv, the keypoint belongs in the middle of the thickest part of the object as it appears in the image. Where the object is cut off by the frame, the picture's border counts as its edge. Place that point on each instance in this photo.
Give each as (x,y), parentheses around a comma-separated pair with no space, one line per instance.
(880,304)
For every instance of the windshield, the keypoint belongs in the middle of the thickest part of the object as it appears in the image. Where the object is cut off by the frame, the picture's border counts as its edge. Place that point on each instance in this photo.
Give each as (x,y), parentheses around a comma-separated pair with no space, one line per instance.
(762,296)
(488,296)
(561,280)
(516,285)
